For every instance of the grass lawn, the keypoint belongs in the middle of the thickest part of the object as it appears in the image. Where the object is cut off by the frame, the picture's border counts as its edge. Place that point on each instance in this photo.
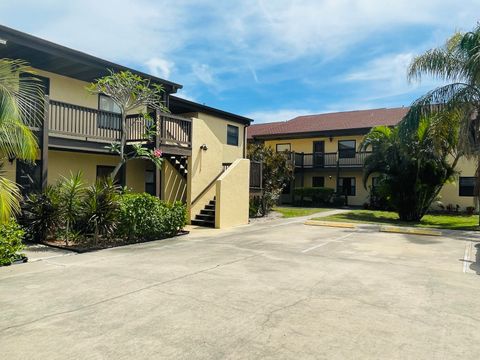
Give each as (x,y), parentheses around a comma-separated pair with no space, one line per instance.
(438,221)
(289,212)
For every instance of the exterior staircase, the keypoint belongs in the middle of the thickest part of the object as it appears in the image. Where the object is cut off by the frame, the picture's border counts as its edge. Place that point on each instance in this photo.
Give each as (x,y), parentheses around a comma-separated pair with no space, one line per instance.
(180,163)
(207,215)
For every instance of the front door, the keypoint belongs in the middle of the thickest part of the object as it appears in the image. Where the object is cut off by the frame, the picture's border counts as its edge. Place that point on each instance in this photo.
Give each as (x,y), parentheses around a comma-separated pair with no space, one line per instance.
(319,153)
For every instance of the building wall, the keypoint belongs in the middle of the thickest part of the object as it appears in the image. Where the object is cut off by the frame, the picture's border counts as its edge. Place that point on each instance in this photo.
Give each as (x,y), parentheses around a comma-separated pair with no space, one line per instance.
(450,191)
(73,91)
(306,145)
(232,194)
(62,163)
(69,90)
(205,166)
(9,169)
(174,185)
(448,195)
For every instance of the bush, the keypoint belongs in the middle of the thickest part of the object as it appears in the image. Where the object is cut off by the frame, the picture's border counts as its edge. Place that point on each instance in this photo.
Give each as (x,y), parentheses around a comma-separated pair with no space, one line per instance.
(145,217)
(41,214)
(314,195)
(11,235)
(470,210)
(99,209)
(339,200)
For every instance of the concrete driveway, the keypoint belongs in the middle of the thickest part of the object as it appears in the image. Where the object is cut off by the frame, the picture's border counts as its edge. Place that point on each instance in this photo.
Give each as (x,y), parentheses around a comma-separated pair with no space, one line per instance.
(277,290)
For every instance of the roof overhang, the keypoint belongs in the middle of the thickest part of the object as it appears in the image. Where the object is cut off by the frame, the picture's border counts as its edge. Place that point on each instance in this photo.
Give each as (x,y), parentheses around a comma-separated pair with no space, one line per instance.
(58,59)
(181,106)
(312,134)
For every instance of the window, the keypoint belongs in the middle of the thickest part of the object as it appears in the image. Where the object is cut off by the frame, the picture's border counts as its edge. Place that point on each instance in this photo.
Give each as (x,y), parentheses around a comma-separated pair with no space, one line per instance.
(283,147)
(346,186)
(232,135)
(375,180)
(318,181)
(346,149)
(467,186)
(104,171)
(150,181)
(110,119)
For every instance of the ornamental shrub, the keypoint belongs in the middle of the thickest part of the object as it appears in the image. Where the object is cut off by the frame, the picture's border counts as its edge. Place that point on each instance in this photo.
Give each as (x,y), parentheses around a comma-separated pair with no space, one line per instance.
(145,217)
(314,195)
(11,235)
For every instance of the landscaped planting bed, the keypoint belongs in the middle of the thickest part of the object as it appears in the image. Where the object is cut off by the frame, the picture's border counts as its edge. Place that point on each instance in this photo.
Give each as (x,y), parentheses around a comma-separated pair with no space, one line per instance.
(82,218)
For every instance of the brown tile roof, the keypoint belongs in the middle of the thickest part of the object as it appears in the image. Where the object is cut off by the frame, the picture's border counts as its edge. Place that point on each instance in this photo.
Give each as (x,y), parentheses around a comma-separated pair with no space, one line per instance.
(348,120)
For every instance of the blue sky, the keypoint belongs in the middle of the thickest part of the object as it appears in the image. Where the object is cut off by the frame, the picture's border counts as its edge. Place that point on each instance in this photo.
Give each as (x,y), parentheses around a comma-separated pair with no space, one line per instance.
(271,60)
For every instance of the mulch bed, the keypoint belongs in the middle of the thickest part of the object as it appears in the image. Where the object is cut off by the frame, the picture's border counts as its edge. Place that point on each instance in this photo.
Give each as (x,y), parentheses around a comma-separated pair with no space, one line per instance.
(88,246)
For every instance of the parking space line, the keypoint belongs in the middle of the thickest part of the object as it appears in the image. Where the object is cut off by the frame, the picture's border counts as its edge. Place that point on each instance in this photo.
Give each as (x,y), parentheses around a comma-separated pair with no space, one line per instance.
(467,257)
(328,242)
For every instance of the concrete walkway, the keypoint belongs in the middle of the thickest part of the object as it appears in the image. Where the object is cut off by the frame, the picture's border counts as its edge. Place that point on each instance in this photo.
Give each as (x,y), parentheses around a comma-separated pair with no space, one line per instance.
(38,252)
(277,290)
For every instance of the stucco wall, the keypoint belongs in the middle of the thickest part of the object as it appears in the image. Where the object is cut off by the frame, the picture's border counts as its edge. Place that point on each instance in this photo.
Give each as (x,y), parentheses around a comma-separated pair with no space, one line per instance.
(306,145)
(232,194)
(205,166)
(9,169)
(174,185)
(61,163)
(448,195)
(330,177)
(69,90)
(450,191)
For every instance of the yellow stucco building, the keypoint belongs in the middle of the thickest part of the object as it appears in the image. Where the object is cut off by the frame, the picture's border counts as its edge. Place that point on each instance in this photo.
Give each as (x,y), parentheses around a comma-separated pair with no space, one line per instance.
(325,153)
(203,148)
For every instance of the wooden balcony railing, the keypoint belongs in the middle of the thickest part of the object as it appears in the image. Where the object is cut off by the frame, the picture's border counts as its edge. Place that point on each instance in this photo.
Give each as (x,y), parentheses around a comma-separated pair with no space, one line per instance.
(329,160)
(83,123)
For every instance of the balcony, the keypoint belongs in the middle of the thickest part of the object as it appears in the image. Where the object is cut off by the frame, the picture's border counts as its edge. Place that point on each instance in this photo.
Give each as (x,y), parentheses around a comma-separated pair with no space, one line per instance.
(348,159)
(82,124)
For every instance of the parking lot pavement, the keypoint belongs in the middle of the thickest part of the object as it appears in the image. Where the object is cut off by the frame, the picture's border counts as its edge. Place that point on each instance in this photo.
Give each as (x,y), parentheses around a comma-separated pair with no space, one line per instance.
(271,290)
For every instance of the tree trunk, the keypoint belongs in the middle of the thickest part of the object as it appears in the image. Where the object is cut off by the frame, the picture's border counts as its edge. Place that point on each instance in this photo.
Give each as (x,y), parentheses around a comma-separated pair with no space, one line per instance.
(123,143)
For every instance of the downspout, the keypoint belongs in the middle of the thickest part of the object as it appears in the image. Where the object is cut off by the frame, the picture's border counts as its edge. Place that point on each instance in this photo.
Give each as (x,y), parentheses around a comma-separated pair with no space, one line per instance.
(245,142)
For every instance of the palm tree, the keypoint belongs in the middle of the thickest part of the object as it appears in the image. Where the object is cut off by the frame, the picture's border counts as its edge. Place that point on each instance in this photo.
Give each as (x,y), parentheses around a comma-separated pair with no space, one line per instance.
(17,94)
(411,171)
(457,62)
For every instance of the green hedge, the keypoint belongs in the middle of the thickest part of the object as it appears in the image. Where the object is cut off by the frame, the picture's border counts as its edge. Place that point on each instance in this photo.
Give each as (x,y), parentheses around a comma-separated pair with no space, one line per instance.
(11,235)
(313,195)
(145,217)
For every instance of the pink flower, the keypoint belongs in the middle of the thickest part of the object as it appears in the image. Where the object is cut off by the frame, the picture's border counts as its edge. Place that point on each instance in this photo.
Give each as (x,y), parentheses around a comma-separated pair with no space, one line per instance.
(157,153)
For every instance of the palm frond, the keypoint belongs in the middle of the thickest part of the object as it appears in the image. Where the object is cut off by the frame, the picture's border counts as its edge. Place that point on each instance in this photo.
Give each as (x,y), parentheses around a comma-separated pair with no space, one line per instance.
(18,84)
(439,64)
(9,199)
(451,97)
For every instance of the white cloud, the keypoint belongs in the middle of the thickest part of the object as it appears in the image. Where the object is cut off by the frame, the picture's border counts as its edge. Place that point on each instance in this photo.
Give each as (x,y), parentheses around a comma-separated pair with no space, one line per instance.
(224,43)
(160,67)
(386,76)
(185,95)
(204,73)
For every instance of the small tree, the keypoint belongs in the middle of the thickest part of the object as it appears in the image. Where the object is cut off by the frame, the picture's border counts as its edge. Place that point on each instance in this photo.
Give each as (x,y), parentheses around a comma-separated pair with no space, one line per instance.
(131,92)
(412,168)
(277,171)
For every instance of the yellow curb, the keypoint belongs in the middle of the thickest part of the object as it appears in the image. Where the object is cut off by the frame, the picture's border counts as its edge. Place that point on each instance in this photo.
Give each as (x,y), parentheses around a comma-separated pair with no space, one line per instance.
(406,230)
(330,223)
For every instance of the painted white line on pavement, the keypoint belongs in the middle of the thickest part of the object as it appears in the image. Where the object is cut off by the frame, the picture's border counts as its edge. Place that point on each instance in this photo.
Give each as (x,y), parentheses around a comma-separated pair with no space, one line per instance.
(466,256)
(328,242)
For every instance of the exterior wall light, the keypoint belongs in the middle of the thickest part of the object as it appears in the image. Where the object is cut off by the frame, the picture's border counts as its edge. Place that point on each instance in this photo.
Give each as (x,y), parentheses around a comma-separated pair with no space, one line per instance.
(204,147)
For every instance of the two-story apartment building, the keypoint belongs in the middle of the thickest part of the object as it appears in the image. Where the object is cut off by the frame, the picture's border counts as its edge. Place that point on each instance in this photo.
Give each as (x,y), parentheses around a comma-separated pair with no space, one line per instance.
(203,147)
(325,153)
